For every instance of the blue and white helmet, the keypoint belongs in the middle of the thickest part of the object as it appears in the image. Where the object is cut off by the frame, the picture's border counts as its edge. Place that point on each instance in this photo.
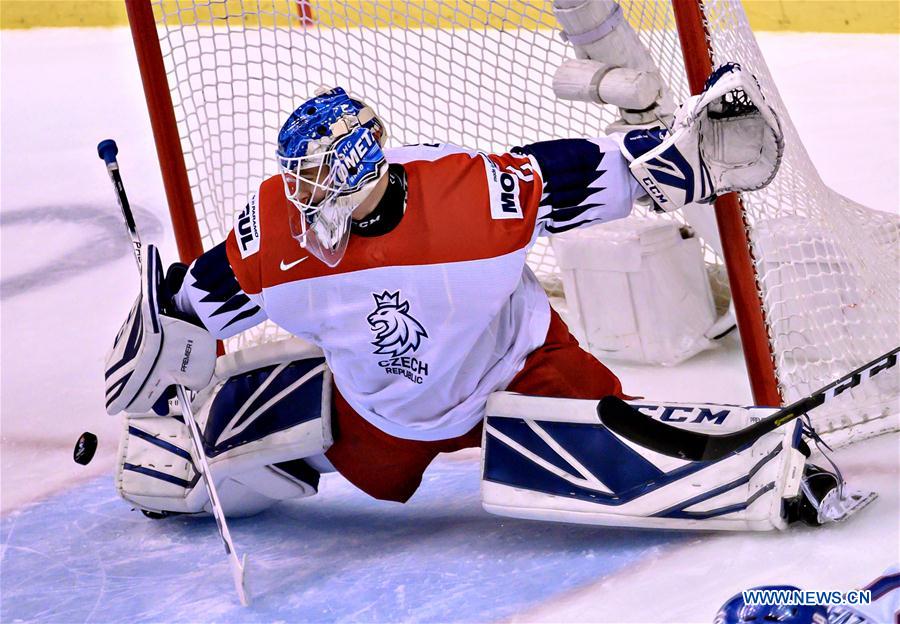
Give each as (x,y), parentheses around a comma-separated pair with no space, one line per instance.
(737,611)
(329,151)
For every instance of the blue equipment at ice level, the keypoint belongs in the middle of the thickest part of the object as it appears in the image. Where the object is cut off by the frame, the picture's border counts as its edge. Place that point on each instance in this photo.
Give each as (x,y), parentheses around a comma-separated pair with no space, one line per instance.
(737,611)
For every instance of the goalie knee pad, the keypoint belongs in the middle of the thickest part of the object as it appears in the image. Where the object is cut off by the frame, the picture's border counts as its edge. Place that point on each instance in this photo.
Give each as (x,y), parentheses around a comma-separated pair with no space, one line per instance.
(725,139)
(552,459)
(266,424)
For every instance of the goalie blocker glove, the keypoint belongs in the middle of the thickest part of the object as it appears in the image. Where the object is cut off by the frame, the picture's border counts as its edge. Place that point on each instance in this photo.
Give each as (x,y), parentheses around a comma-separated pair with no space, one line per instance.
(154,350)
(725,139)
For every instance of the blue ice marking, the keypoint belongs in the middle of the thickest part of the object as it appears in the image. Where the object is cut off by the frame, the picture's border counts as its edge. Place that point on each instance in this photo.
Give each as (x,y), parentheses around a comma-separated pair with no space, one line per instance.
(340,556)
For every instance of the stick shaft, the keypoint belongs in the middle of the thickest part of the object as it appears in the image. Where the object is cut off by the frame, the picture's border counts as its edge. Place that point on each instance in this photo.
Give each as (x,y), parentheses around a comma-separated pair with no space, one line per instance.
(107,151)
(116,179)
(237,564)
(827,393)
(642,429)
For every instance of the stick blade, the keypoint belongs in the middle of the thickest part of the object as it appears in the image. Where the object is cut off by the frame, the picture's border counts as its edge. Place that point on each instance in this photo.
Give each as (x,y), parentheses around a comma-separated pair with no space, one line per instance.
(635,426)
(238,573)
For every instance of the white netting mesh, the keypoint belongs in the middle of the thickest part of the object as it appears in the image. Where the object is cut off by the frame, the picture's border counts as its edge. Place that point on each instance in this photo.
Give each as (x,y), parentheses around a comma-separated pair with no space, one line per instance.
(478,73)
(828,268)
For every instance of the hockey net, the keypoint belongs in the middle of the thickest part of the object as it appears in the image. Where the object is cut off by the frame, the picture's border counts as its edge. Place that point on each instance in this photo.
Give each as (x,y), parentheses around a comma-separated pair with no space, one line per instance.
(824,270)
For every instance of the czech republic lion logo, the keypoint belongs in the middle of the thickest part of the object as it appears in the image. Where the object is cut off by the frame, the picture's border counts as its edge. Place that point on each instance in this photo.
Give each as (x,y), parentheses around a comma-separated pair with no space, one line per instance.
(396,332)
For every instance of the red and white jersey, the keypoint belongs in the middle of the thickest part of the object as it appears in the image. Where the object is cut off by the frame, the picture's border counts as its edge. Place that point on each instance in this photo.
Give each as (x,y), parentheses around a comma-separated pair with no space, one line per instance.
(419,325)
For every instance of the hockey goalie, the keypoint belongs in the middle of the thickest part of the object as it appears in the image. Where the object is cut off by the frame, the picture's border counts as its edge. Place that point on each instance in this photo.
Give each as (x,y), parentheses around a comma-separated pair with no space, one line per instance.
(424,331)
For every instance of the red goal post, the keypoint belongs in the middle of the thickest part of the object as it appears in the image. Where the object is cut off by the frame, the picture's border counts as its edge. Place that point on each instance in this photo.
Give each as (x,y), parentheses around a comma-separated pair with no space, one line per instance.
(165,129)
(433,69)
(732,227)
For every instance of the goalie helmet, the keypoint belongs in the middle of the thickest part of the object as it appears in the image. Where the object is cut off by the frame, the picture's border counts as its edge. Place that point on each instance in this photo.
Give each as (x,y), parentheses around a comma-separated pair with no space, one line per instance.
(738,611)
(329,153)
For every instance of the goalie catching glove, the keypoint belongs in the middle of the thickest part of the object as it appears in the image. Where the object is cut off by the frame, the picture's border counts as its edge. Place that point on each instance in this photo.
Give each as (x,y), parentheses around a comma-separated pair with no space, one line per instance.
(725,139)
(155,350)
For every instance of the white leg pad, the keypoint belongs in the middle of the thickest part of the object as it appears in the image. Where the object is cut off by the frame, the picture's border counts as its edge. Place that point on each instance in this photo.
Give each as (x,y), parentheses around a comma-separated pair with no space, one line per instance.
(586,80)
(267,413)
(552,459)
(598,31)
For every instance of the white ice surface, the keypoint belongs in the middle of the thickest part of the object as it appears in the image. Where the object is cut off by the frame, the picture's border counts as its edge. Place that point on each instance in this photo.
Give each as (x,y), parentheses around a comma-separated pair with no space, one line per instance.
(67,279)
(689,581)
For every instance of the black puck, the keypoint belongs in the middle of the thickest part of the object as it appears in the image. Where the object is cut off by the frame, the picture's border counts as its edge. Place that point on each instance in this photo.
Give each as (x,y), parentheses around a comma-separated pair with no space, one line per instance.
(85,448)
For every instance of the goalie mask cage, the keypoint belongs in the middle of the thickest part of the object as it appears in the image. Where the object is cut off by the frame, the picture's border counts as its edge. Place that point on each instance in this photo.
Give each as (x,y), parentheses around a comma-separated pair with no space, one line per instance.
(813,276)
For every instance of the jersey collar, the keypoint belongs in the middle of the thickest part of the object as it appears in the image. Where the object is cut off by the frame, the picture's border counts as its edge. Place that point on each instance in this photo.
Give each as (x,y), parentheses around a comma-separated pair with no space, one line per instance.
(390,209)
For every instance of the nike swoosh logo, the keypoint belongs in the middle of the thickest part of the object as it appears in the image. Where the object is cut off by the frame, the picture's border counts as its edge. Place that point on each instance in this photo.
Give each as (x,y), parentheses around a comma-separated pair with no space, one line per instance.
(287,267)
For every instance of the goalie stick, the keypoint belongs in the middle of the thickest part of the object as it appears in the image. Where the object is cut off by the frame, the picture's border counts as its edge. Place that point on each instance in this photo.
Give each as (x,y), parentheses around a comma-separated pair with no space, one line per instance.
(650,433)
(107,150)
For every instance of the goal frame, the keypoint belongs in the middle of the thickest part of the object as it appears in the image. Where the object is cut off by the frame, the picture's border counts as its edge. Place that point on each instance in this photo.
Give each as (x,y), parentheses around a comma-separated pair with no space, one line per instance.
(733,229)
